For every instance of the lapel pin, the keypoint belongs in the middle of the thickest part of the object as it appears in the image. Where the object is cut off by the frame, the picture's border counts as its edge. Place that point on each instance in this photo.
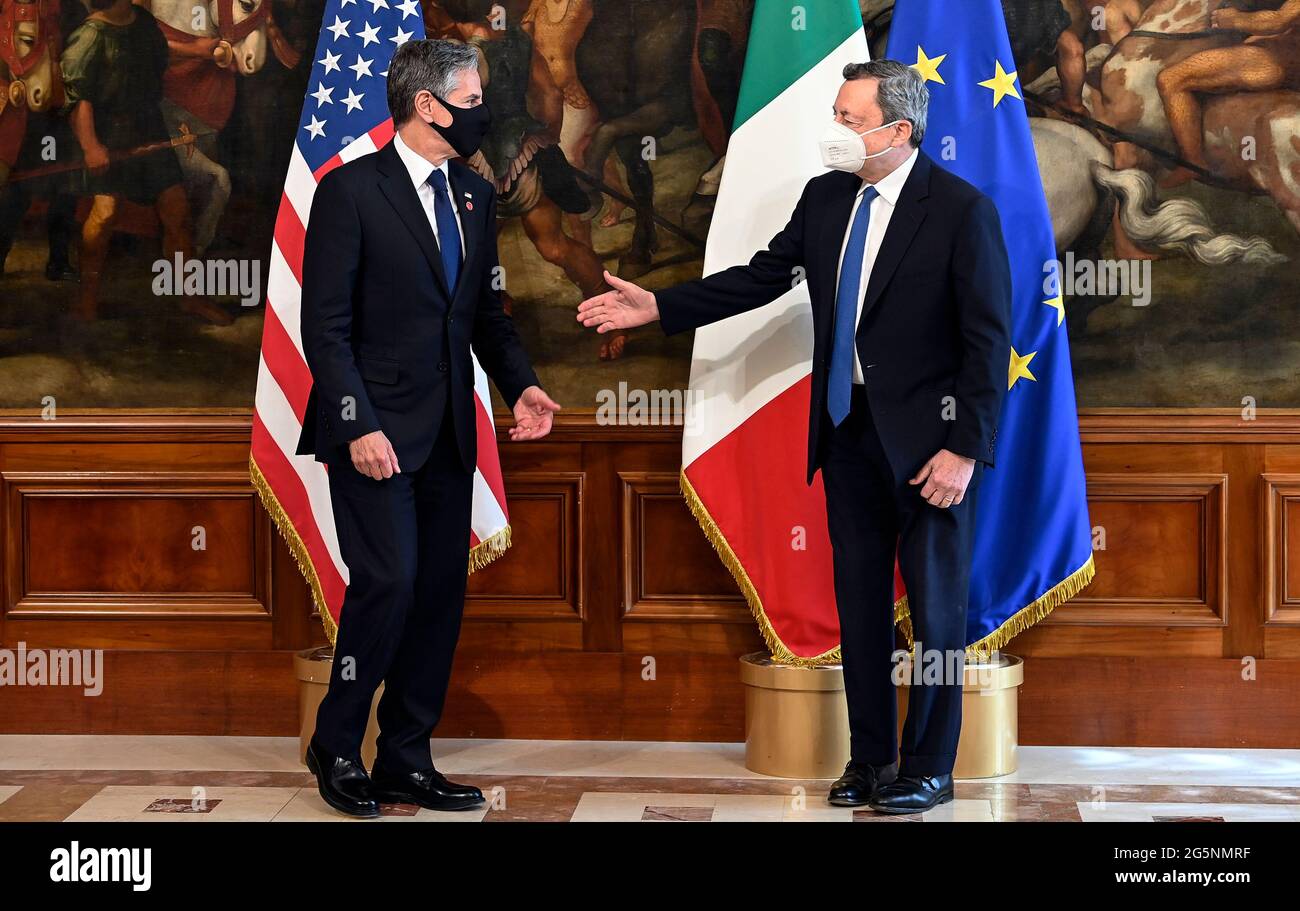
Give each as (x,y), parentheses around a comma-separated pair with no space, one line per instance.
(469,203)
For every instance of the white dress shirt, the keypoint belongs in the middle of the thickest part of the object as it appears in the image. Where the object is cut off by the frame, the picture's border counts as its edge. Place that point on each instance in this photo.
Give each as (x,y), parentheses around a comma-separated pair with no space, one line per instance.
(882,209)
(420,169)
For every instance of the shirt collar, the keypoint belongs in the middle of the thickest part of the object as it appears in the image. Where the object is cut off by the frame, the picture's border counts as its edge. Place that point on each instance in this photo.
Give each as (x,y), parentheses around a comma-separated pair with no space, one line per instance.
(891,184)
(417,165)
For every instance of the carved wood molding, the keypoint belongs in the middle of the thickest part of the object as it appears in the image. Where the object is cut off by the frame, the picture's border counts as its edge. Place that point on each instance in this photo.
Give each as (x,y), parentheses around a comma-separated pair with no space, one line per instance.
(1097,425)
(640,487)
(19,490)
(1281,604)
(1210,606)
(567,602)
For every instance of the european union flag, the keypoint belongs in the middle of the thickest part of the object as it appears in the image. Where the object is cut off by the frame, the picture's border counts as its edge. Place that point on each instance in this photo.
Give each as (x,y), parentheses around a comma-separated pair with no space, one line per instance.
(1033,545)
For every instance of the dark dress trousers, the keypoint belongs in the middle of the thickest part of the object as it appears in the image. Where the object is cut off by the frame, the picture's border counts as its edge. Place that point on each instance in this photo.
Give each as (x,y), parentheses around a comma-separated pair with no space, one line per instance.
(388,344)
(934,344)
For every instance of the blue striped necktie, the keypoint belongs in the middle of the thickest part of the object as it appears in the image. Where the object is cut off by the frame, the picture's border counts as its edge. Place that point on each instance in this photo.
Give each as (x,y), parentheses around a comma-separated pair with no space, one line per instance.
(448,231)
(846,312)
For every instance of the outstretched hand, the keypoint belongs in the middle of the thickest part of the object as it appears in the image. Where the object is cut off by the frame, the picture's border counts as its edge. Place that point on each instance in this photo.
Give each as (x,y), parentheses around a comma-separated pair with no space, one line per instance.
(534,413)
(626,307)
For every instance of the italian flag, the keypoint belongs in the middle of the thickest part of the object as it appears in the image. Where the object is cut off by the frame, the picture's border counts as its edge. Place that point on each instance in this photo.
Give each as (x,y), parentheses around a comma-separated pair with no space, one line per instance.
(744,449)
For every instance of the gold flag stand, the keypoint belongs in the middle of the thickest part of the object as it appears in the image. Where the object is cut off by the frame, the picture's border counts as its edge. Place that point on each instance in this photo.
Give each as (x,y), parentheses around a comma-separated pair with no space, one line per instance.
(797,724)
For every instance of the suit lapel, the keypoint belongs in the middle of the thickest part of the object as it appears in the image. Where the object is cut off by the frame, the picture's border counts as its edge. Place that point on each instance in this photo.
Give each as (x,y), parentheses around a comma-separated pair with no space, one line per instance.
(469,206)
(903,224)
(395,184)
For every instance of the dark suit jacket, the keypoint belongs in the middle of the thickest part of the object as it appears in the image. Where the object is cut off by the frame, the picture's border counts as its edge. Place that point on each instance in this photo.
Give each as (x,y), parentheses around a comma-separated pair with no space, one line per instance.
(934,323)
(387,342)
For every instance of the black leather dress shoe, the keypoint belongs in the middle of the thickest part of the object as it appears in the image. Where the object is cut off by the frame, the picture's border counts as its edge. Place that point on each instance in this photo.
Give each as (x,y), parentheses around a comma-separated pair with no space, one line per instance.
(913,794)
(343,783)
(427,788)
(859,781)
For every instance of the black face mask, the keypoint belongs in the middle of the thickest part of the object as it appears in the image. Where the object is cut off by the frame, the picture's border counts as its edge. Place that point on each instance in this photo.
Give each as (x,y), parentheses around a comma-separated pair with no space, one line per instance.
(467,129)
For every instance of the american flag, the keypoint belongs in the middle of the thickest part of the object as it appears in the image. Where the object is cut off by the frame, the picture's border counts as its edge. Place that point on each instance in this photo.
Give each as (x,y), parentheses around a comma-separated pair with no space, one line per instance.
(344,116)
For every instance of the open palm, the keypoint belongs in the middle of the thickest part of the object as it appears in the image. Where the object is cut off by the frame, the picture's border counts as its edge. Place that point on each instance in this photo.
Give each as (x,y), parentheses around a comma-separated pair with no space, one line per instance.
(625,307)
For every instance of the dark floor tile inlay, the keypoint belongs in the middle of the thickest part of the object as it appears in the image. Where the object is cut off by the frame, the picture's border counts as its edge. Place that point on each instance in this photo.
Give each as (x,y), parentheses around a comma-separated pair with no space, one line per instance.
(677,814)
(1187,818)
(183,805)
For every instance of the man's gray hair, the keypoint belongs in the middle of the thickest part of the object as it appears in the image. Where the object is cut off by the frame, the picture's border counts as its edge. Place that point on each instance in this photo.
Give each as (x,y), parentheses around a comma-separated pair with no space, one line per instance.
(900,92)
(429,64)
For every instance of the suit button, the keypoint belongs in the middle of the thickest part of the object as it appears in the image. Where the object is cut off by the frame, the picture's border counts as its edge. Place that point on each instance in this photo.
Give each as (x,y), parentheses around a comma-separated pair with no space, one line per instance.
(442,365)
(448,319)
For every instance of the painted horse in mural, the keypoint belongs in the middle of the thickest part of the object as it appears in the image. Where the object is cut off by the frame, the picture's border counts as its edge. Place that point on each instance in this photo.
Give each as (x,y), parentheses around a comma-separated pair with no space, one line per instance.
(31,93)
(30,80)
(211,46)
(1100,173)
(1231,81)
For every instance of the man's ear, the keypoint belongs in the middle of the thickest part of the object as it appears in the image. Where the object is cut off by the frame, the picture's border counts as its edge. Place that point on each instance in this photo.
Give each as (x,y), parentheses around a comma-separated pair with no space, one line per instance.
(431,108)
(907,133)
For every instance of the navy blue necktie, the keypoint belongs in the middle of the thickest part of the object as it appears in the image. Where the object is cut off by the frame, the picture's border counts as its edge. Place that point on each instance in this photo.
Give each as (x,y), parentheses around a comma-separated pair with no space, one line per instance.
(846,312)
(448,231)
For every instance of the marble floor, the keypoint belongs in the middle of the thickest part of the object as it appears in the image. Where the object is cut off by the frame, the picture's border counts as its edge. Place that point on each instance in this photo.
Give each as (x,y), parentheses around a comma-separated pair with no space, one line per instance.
(195,779)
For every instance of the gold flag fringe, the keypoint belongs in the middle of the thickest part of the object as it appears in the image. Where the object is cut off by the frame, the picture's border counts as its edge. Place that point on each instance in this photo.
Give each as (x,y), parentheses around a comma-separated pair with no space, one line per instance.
(1017,623)
(711,531)
(480,555)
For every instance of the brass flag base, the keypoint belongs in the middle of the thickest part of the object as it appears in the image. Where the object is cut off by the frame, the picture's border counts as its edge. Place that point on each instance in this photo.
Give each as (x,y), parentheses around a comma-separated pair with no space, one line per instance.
(797,725)
(796,720)
(312,666)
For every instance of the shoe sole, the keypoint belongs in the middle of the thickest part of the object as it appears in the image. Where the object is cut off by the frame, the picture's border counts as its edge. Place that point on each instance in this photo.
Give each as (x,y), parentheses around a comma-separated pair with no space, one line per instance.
(391,797)
(346,811)
(907,811)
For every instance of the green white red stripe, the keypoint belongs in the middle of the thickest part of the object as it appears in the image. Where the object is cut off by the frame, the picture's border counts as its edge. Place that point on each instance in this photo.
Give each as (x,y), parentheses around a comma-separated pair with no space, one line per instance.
(744,450)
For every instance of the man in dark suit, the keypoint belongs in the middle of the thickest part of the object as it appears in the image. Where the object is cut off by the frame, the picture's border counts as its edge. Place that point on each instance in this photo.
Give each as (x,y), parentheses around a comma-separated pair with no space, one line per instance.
(400,278)
(911,291)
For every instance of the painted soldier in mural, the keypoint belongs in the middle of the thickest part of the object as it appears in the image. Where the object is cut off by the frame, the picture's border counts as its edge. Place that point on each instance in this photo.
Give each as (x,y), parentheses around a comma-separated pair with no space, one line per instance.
(113,68)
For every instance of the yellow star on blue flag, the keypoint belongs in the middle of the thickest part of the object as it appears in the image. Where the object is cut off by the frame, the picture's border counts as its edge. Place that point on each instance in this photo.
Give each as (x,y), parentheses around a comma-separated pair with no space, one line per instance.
(928,67)
(1001,83)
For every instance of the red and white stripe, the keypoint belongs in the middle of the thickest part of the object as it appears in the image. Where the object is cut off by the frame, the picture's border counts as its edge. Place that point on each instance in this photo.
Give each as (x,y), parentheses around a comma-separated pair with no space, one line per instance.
(298,485)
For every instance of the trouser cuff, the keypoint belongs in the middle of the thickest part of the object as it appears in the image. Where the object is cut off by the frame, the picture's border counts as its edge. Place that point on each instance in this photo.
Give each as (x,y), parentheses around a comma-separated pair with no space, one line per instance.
(918,766)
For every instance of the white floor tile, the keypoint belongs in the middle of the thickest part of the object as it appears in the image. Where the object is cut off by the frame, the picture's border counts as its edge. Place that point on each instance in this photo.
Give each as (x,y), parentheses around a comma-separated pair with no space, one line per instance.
(1115,811)
(629,759)
(123,803)
(307,806)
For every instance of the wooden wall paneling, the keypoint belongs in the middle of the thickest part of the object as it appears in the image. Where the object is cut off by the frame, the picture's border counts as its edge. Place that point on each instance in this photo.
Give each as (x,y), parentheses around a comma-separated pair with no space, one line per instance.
(609,570)
(135,544)
(666,574)
(1164,562)
(1280,556)
(540,576)
(1244,634)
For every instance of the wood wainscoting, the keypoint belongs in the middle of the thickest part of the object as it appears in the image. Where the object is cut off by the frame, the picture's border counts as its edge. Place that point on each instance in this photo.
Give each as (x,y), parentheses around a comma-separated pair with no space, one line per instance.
(611,617)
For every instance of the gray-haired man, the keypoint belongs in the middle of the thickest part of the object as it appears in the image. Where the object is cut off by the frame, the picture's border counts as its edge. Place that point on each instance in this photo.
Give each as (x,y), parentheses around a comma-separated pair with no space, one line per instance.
(400,277)
(911,297)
